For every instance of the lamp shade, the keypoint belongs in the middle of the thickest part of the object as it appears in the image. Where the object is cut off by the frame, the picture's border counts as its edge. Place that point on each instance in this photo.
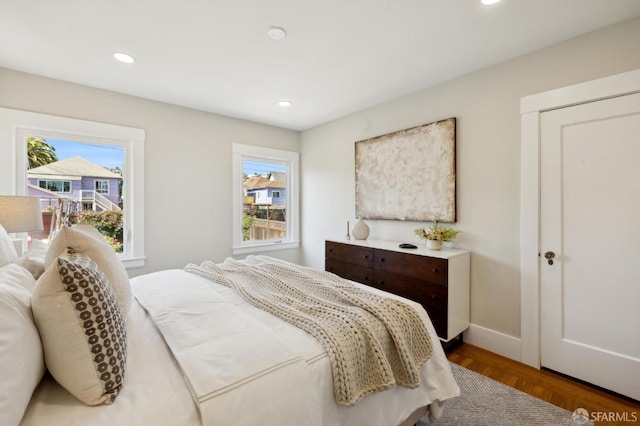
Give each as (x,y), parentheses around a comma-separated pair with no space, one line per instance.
(20,214)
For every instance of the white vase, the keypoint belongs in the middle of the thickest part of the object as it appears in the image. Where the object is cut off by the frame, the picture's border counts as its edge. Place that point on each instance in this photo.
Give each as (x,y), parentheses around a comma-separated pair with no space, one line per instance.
(434,244)
(360,230)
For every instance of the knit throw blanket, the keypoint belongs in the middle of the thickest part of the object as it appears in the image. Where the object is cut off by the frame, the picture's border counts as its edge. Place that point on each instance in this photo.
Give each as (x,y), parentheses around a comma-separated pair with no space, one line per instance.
(373,342)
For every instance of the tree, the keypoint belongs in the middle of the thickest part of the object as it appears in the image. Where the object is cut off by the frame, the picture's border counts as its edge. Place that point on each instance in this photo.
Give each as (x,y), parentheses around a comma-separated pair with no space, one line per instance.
(39,152)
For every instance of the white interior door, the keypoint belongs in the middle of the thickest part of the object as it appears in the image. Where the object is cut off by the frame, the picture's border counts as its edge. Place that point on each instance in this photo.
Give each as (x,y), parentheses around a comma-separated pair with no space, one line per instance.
(590,221)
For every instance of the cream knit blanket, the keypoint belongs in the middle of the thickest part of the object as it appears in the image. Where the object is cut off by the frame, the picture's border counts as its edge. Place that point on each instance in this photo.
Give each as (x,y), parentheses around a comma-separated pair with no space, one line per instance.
(373,342)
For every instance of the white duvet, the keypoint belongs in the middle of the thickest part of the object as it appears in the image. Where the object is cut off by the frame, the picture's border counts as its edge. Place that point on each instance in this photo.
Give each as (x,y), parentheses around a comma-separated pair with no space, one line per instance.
(211,358)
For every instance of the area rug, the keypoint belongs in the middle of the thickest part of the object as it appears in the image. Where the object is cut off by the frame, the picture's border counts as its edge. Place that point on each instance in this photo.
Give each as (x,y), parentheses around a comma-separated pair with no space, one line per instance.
(484,401)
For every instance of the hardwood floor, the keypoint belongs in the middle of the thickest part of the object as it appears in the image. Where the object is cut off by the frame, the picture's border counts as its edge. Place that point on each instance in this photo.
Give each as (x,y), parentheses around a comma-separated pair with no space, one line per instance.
(549,386)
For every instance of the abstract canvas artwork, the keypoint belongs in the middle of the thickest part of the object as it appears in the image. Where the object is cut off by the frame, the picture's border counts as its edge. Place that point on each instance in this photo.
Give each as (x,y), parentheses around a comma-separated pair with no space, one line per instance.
(409,174)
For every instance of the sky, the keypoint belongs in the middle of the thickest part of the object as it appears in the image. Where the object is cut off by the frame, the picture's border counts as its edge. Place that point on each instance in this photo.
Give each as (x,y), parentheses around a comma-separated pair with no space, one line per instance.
(261,168)
(102,155)
(113,156)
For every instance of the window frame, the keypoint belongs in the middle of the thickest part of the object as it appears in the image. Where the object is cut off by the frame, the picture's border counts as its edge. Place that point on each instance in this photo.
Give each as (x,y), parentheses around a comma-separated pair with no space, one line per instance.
(97,181)
(55,180)
(291,159)
(25,124)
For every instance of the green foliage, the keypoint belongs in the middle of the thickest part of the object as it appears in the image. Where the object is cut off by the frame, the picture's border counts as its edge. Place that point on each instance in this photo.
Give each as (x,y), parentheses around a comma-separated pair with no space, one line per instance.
(108,223)
(39,152)
(247,224)
(115,244)
(435,232)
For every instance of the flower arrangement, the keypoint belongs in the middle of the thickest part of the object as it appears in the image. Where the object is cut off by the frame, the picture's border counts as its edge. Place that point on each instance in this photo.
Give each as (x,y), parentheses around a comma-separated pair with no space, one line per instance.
(436,233)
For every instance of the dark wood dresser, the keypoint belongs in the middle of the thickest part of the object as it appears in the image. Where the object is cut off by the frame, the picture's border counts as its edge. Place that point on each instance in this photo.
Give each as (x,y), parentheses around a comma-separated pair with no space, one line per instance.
(437,279)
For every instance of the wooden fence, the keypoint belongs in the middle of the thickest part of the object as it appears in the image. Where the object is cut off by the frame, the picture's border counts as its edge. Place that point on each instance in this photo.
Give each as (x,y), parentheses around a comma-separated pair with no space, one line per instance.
(267,229)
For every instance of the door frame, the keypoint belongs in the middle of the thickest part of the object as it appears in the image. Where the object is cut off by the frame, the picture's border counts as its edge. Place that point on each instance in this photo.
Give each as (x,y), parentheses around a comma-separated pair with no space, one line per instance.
(531,108)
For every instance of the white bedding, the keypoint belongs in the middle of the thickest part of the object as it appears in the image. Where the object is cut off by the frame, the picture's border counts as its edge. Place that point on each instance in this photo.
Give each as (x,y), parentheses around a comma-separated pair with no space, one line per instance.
(154,389)
(266,371)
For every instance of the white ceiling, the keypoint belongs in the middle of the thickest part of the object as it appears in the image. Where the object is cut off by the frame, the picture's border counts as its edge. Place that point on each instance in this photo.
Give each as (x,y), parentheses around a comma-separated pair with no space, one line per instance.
(339,56)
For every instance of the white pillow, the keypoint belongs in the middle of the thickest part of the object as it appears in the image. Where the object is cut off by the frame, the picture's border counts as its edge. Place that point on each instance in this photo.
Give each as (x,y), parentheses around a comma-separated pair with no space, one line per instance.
(21,359)
(7,249)
(85,239)
(82,328)
(33,259)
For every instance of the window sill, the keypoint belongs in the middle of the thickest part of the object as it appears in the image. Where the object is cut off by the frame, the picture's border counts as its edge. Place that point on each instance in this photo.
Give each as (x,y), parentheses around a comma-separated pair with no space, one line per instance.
(257,248)
(134,262)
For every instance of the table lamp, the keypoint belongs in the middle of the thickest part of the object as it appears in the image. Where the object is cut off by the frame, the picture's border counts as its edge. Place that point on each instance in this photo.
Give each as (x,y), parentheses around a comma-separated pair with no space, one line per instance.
(20,214)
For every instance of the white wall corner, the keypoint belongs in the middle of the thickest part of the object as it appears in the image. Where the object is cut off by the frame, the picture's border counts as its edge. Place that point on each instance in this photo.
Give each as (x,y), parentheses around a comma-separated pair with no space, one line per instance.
(494,341)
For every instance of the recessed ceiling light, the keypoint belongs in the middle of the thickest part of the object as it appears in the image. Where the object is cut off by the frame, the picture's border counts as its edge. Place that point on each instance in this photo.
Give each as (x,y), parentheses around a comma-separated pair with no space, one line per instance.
(488,2)
(284,103)
(276,33)
(123,57)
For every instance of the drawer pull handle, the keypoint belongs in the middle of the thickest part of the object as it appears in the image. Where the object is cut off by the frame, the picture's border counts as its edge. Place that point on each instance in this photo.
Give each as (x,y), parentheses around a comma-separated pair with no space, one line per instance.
(365,278)
(365,256)
(330,250)
(434,297)
(382,259)
(434,270)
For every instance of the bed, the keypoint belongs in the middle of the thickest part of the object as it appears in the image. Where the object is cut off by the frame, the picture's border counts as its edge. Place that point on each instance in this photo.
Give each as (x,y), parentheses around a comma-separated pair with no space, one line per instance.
(198,353)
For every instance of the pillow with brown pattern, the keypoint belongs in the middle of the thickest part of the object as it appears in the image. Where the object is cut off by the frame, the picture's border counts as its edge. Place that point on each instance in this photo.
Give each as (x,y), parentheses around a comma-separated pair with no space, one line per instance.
(82,328)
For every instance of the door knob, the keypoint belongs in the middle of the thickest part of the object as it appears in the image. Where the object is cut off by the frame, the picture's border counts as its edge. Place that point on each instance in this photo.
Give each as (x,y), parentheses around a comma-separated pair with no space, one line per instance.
(549,256)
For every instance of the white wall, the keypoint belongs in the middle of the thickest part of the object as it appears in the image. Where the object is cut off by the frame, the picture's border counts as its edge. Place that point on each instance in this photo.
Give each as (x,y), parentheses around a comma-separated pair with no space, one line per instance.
(486,104)
(187,162)
(188,167)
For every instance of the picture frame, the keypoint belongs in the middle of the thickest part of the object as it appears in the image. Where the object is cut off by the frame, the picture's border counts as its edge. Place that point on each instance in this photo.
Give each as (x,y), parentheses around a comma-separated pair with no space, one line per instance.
(409,174)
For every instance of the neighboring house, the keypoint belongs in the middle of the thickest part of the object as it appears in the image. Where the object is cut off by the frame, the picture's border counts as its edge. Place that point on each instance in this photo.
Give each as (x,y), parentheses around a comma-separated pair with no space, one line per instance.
(265,192)
(91,186)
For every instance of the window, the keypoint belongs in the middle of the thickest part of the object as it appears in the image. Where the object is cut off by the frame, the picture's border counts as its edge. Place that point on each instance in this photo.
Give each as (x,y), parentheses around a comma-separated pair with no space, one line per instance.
(55,185)
(126,181)
(102,186)
(265,199)
(86,199)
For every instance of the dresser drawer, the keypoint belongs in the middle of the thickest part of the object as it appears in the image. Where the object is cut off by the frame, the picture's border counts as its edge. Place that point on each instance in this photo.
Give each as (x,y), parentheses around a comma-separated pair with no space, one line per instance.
(351,272)
(414,266)
(438,281)
(360,256)
(432,297)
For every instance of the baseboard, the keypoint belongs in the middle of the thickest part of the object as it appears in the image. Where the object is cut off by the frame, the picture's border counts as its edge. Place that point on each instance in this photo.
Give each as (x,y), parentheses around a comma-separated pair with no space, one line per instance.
(494,341)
